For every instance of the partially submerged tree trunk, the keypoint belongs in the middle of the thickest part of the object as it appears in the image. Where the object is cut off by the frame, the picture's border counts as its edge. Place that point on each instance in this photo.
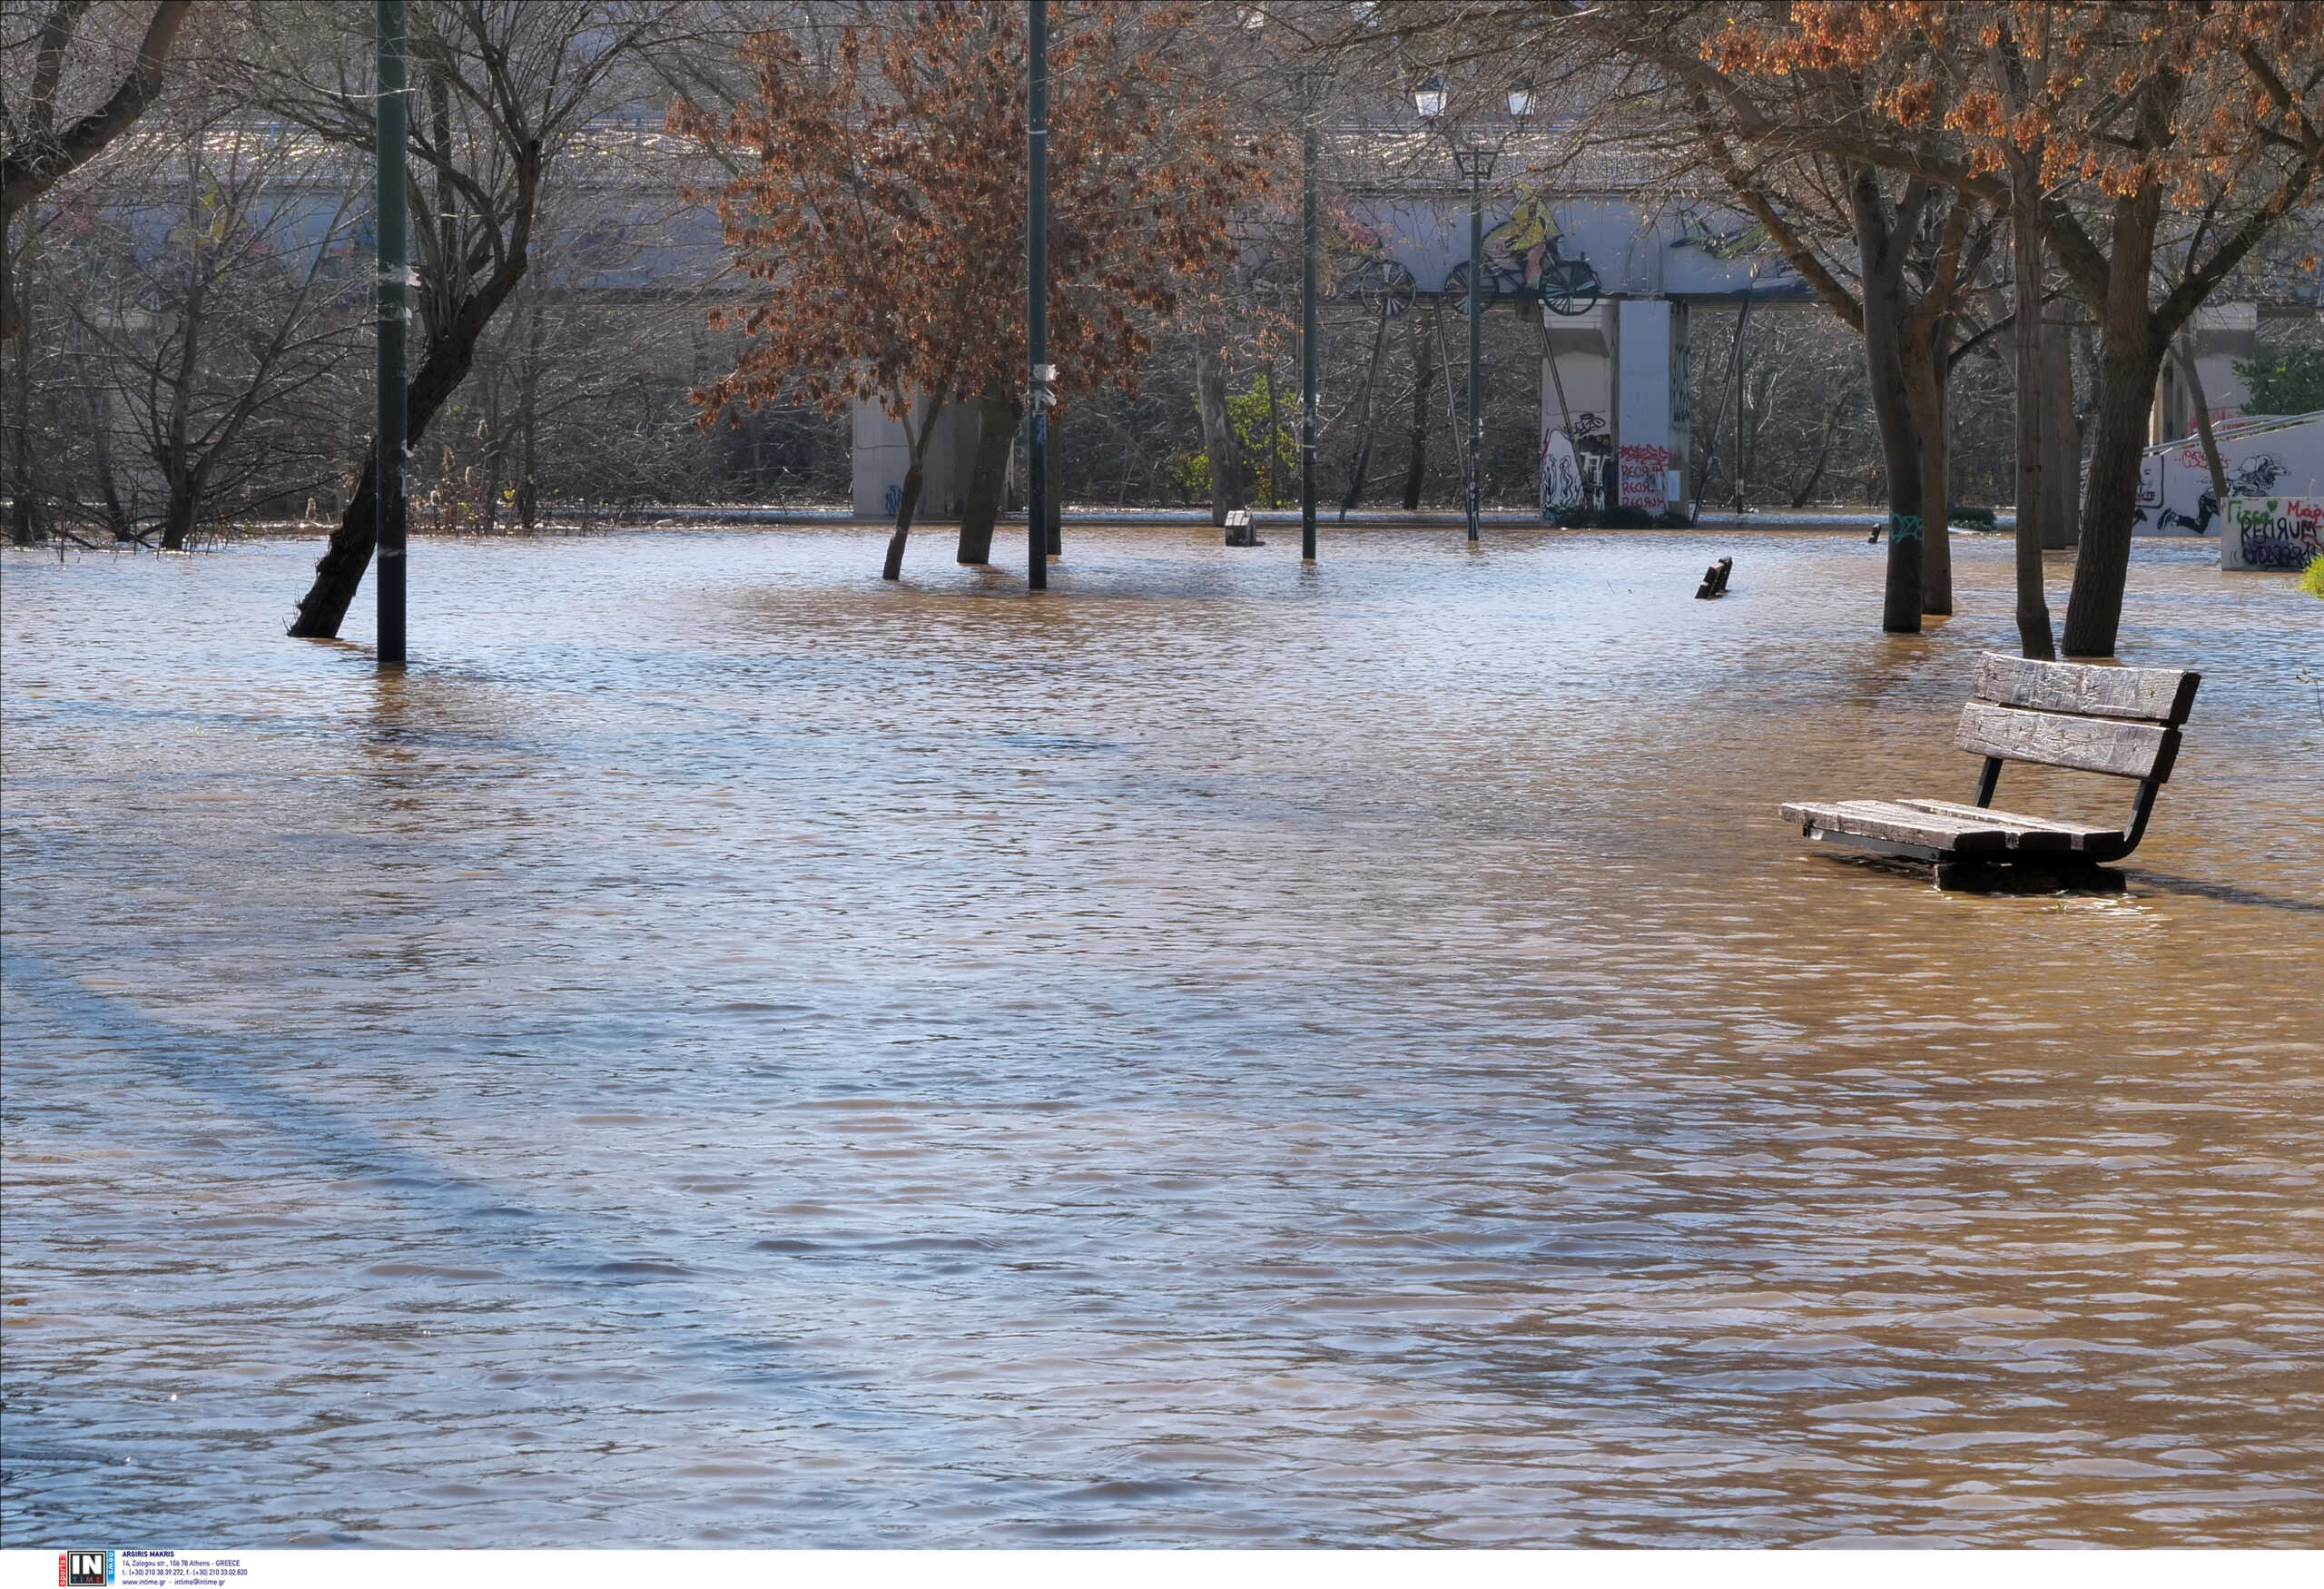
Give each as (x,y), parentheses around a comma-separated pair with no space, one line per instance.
(894,569)
(2033,637)
(1416,465)
(1218,441)
(2130,360)
(915,473)
(1882,247)
(1924,390)
(451,349)
(24,491)
(997,417)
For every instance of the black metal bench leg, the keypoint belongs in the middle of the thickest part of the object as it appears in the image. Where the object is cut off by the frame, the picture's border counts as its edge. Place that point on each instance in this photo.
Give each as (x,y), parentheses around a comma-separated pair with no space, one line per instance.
(1988,781)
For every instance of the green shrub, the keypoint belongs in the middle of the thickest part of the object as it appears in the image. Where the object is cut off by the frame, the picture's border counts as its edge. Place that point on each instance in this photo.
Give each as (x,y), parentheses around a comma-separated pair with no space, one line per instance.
(2311,579)
(2282,381)
(1976,518)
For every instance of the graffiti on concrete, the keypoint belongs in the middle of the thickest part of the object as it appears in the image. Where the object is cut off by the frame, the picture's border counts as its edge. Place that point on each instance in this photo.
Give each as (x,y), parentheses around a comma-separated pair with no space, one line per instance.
(2275,532)
(2247,478)
(1642,481)
(1573,467)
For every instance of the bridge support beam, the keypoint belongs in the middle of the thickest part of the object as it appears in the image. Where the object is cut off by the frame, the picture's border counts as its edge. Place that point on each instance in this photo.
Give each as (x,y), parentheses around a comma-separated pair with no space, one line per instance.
(883,456)
(1616,415)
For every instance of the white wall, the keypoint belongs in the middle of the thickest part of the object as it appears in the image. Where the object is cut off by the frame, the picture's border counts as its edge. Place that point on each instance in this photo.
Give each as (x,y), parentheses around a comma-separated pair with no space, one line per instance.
(883,457)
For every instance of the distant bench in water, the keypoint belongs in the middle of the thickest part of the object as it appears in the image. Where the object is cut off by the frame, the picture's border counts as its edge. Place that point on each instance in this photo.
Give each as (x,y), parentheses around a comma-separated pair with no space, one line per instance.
(2119,721)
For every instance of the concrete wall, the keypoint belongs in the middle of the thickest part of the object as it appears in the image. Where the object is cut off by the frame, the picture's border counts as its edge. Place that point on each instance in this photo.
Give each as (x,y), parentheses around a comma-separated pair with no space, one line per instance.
(2223,333)
(883,456)
(1645,351)
(1577,428)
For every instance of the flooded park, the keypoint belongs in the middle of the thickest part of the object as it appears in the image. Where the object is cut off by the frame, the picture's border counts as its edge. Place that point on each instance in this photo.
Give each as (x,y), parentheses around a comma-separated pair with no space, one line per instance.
(727,1051)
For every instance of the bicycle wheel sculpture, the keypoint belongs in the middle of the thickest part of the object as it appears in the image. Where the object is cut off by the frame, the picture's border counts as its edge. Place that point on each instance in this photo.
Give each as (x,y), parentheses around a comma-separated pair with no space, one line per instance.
(1378,282)
(1568,287)
(1456,283)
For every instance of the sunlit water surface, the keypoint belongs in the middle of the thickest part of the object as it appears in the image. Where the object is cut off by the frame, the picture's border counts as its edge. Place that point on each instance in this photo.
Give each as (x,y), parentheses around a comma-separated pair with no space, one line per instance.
(730,1052)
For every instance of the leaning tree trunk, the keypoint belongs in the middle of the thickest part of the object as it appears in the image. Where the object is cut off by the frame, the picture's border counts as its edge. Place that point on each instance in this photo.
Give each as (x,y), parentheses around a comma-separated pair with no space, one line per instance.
(1227,490)
(996,438)
(2034,638)
(894,569)
(1416,465)
(339,573)
(2195,395)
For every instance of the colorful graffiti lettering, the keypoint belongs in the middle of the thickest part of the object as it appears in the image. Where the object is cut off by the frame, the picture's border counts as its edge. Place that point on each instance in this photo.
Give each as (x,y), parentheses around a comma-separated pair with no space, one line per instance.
(1641,482)
(2275,532)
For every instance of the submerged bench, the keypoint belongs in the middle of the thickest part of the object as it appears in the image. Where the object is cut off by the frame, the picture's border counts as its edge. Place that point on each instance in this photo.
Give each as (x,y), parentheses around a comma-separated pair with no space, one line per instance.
(2119,721)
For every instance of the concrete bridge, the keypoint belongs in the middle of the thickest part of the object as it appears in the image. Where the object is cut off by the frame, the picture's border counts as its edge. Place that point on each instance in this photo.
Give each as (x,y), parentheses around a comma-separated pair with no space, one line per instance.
(1614,388)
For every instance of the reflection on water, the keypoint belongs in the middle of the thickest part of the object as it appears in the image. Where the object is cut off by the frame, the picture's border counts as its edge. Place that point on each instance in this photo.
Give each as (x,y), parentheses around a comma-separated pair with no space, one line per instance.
(727,1052)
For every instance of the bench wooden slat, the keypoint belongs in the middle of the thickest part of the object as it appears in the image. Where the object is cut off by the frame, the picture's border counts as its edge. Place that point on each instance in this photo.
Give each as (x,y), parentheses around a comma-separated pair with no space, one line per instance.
(2078,835)
(2151,694)
(1884,819)
(2089,745)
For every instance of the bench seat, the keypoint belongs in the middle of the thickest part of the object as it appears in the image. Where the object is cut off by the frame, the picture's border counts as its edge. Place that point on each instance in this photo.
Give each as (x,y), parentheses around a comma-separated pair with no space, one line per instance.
(1947,829)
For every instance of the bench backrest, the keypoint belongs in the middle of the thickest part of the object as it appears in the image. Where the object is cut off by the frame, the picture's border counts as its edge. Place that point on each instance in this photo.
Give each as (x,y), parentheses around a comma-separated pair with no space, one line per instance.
(2119,720)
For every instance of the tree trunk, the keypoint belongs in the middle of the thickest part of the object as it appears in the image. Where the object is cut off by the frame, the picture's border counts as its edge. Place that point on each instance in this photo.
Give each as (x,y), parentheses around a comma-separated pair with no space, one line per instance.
(2034,638)
(177,521)
(2130,358)
(23,524)
(1218,435)
(894,567)
(1823,454)
(1360,457)
(2186,355)
(996,438)
(108,484)
(2061,442)
(339,573)
(1416,467)
(1884,354)
(1925,387)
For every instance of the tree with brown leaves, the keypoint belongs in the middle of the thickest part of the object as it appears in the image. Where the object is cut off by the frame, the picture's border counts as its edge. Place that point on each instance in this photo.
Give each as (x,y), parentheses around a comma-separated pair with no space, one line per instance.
(881,208)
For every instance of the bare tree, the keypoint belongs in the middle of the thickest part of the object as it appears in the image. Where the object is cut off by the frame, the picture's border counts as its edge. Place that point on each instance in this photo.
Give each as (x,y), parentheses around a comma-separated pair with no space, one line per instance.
(502,88)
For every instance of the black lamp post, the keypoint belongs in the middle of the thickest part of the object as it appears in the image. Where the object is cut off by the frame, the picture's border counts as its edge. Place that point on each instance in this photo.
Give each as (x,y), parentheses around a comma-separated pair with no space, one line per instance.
(1307,319)
(1037,300)
(1474,161)
(394,308)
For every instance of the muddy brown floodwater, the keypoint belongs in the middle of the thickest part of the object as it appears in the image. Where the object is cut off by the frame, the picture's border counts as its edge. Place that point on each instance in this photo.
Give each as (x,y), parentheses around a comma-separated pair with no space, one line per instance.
(729,1052)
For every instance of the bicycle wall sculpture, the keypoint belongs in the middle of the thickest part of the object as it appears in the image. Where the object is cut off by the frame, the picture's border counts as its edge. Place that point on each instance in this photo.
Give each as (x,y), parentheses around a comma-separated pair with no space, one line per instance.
(1524,259)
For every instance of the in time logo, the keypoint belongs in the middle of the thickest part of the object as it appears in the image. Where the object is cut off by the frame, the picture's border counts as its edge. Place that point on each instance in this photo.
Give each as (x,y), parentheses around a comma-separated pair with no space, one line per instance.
(84,1567)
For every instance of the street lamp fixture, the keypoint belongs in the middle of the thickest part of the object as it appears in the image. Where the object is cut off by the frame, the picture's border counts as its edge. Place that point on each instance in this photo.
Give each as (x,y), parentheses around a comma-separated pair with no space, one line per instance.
(1475,159)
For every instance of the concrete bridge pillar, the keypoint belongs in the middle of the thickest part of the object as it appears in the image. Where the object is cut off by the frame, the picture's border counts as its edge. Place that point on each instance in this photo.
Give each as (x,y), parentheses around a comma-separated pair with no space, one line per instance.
(1578,410)
(2223,333)
(883,457)
(1621,436)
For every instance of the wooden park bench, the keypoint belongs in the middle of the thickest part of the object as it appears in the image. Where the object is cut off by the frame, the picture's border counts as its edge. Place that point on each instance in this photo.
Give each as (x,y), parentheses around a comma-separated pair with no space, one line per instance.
(2120,721)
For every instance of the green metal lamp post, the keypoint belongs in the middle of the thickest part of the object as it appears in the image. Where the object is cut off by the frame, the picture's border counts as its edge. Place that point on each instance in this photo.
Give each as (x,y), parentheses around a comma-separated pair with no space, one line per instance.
(1475,163)
(394,303)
